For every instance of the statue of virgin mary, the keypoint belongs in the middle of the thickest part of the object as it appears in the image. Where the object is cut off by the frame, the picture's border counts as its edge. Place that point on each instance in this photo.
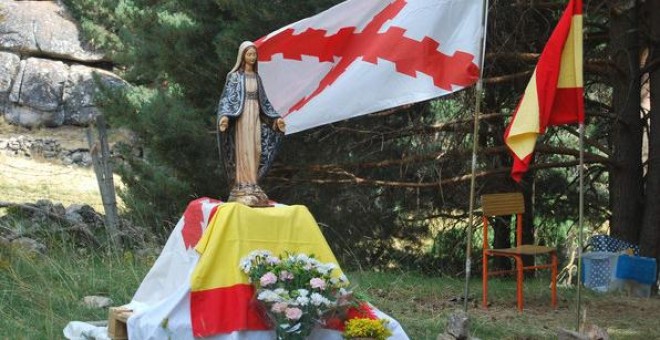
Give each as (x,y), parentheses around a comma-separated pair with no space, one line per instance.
(249,129)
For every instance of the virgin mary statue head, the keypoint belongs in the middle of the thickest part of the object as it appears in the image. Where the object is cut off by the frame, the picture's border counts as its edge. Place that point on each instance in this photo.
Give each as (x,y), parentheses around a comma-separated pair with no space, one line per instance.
(240,58)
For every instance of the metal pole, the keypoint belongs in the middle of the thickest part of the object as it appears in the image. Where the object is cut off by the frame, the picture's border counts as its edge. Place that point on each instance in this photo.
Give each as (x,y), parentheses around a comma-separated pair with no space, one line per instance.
(475,147)
(580,214)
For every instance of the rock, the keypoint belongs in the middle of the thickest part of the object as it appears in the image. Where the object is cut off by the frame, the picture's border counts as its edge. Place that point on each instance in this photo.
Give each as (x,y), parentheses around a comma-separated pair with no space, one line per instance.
(596,333)
(50,207)
(29,245)
(94,301)
(42,84)
(565,334)
(36,95)
(50,93)
(73,217)
(39,90)
(42,28)
(79,92)
(88,215)
(30,117)
(9,65)
(458,325)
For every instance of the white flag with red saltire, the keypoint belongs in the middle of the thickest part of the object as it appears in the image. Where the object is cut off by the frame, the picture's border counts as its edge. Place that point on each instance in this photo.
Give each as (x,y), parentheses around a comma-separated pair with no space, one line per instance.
(365,56)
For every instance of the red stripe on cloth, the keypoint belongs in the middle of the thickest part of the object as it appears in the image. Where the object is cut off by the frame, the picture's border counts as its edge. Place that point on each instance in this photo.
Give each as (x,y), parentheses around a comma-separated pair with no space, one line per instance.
(520,166)
(577,7)
(547,68)
(208,306)
(193,221)
(568,107)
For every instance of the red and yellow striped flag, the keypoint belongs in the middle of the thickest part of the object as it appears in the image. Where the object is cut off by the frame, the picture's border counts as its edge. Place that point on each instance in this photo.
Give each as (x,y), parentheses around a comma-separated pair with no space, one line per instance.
(221,298)
(554,94)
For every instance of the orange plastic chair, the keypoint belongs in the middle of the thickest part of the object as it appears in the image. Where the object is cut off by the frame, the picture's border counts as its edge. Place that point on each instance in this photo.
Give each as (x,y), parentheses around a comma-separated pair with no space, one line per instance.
(508,204)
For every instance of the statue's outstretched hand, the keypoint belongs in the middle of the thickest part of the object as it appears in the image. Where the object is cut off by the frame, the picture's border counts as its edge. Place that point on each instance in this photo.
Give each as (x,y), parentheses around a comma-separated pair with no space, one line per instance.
(223,123)
(279,124)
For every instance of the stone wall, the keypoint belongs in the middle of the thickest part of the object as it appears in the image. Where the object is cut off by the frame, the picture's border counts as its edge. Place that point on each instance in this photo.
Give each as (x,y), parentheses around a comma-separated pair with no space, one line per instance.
(46,72)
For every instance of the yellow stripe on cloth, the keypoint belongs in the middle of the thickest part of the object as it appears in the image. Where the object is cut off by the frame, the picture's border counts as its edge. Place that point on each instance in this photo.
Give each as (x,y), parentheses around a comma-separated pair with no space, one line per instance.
(525,125)
(236,230)
(570,72)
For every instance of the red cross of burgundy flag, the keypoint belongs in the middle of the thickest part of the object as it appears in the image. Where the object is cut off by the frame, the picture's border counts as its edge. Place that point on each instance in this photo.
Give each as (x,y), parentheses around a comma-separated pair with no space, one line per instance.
(554,95)
(365,56)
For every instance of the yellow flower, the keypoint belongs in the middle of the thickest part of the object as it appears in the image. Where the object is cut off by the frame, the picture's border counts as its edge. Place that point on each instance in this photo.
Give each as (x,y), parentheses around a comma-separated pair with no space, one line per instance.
(367,328)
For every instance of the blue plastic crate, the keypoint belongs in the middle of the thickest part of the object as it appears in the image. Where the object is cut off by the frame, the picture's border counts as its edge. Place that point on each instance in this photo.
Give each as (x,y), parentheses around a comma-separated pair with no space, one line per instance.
(611,244)
(598,269)
(636,268)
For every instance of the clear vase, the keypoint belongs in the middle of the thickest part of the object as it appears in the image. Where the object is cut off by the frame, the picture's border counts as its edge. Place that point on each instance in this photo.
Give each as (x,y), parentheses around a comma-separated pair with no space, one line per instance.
(292,332)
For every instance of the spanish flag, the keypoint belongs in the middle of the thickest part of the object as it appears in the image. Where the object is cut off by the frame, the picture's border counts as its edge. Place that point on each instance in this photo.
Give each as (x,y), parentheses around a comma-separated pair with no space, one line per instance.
(554,94)
(221,298)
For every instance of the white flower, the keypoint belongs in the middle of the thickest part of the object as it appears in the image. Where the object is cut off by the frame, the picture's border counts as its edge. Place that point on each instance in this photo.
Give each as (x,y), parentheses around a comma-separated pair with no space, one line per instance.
(301,258)
(246,265)
(302,300)
(269,296)
(303,292)
(317,299)
(326,268)
(272,260)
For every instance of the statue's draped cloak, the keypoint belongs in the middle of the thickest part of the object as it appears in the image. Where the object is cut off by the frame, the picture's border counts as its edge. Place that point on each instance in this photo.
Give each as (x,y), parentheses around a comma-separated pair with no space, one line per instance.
(232,105)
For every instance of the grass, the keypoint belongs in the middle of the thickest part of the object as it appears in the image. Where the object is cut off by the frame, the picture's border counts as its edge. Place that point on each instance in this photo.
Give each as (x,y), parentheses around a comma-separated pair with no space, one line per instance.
(422,305)
(26,180)
(41,294)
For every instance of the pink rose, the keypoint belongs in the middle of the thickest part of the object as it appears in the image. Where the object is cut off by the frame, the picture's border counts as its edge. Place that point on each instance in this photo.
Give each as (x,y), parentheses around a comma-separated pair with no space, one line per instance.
(317,283)
(285,275)
(293,313)
(279,307)
(267,279)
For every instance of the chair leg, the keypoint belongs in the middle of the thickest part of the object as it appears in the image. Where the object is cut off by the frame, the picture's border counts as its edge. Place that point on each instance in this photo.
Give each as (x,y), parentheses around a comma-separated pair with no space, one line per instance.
(484,282)
(554,280)
(519,282)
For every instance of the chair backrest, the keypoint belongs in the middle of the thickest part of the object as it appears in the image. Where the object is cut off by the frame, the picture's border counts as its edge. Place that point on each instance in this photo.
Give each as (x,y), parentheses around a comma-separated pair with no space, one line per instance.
(503,204)
(511,203)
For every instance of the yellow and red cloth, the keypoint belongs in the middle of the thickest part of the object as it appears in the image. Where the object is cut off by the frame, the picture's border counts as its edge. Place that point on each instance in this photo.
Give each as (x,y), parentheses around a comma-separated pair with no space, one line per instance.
(554,95)
(221,299)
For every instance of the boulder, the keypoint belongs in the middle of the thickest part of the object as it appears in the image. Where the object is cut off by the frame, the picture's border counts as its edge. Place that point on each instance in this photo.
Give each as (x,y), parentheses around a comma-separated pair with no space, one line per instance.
(9,64)
(42,84)
(79,91)
(51,93)
(42,28)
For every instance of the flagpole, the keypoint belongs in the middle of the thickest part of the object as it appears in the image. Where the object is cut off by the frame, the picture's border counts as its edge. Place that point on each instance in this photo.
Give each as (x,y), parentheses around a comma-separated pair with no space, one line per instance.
(475,146)
(580,215)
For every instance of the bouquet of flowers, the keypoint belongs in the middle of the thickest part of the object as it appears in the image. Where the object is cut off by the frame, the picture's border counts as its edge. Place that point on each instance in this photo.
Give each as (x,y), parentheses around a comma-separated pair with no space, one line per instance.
(297,291)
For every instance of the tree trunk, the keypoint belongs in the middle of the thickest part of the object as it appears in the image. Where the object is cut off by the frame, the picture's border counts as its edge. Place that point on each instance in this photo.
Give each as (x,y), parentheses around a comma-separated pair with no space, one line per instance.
(650,233)
(626,188)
